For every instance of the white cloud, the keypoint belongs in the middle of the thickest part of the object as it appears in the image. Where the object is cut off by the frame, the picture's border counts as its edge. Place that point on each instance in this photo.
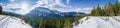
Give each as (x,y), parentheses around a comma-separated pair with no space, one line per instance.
(13,5)
(11,0)
(58,5)
(50,4)
(68,1)
(17,8)
(85,10)
(53,5)
(9,6)
(88,8)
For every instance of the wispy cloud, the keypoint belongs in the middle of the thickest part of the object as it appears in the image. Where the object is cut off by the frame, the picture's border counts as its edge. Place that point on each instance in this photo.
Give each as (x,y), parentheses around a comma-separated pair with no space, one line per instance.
(50,3)
(16,8)
(58,5)
(85,10)
(68,1)
(11,0)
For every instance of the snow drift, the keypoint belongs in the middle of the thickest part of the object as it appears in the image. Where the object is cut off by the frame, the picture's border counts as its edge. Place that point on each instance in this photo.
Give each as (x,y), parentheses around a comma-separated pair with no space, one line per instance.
(98,22)
(12,22)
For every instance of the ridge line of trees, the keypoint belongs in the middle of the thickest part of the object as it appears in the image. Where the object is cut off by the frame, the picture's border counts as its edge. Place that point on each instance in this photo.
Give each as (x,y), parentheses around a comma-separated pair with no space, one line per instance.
(108,10)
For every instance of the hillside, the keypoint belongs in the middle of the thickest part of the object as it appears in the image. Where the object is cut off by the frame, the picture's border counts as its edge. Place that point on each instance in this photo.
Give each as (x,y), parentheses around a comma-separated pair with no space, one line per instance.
(12,22)
(98,22)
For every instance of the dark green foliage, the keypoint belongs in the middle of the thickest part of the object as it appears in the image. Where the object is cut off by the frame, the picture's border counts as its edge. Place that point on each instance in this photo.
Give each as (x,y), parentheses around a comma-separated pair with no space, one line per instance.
(0,9)
(51,23)
(96,11)
(67,23)
(93,12)
(103,13)
(108,10)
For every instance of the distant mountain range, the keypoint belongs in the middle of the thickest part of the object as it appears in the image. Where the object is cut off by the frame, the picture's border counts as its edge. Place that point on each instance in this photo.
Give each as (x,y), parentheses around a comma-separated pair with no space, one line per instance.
(47,13)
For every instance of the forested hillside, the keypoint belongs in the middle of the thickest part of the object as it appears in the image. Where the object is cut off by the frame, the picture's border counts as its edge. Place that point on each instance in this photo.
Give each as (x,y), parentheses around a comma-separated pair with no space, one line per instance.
(109,9)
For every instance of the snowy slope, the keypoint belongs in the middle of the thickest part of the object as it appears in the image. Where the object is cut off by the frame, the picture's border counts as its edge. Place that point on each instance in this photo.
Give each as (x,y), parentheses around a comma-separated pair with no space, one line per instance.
(98,22)
(12,22)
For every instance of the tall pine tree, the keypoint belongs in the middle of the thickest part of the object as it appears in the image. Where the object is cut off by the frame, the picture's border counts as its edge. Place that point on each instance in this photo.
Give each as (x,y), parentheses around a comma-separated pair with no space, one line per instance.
(111,10)
(93,12)
(98,11)
(0,9)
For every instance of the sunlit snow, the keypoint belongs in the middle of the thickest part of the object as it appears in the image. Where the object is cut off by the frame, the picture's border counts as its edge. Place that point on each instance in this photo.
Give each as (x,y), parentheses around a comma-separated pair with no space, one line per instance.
(12,22)
(98,22)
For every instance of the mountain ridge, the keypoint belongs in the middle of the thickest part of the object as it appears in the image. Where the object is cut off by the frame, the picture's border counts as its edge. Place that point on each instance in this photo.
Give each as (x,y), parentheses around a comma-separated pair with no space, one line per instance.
(47,13)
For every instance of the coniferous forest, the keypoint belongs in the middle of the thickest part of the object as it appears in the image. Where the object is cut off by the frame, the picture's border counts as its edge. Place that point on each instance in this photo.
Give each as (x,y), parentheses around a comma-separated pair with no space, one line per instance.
(109,9)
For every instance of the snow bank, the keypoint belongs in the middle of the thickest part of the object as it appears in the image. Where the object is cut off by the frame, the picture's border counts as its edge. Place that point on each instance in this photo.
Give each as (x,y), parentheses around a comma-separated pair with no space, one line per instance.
(12,22)
(98,22)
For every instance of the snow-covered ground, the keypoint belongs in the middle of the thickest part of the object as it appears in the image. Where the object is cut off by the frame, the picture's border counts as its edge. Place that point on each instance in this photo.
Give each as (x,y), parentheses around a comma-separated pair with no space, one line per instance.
(98,22)
(12,22)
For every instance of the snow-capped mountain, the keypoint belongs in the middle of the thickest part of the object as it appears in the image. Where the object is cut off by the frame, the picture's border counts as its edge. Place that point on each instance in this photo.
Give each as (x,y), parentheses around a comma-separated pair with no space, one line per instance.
(98,22)
(12,22)
(43,12)
(47,13)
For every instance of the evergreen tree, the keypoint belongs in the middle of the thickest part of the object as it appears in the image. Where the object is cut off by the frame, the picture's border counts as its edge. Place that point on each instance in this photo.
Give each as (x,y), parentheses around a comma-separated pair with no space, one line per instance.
(116,7)
(98,10)
(0,9)
(111,10)
(105,9)
(58,24)
(41,23)
(67,23)
(103,13)
(93,12)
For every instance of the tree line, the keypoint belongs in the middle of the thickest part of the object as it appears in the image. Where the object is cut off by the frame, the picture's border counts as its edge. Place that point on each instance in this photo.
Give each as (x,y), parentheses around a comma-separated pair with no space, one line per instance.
(52,23)
(108,10)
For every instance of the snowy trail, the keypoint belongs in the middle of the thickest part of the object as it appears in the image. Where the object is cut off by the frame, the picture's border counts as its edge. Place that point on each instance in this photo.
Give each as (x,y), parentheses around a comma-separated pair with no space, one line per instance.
(12,22)
(98,22)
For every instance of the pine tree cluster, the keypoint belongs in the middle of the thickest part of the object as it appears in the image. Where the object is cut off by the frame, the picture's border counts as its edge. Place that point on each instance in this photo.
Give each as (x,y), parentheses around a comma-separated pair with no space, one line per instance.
(108,10)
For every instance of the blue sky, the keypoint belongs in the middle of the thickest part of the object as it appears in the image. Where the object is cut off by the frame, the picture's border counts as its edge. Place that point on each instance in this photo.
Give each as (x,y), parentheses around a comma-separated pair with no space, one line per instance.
(72,5)
(89,3)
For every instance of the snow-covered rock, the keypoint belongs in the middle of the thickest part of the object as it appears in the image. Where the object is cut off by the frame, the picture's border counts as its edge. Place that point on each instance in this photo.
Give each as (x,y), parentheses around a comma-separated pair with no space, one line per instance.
(12,22)
(98,22)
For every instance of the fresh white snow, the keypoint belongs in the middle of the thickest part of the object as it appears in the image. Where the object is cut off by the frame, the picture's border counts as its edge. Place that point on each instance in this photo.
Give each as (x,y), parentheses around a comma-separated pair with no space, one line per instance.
(98,22)
(12,22)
